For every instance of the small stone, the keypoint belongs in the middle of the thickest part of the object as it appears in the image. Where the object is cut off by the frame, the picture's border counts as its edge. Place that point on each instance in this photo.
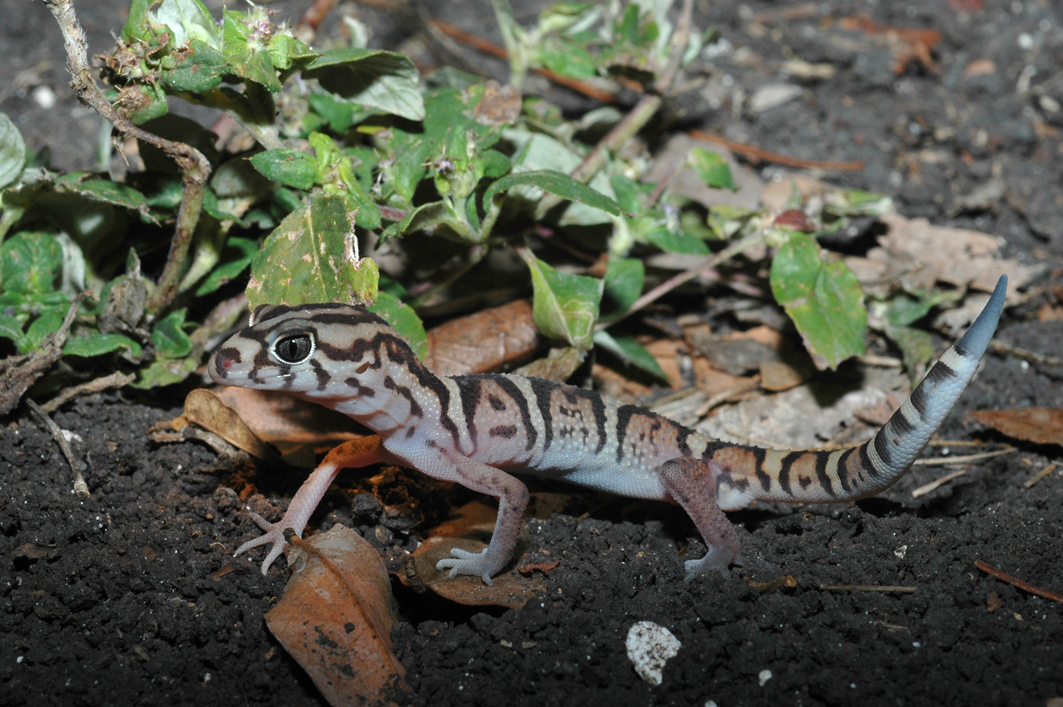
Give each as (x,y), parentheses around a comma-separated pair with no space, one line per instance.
(649,647)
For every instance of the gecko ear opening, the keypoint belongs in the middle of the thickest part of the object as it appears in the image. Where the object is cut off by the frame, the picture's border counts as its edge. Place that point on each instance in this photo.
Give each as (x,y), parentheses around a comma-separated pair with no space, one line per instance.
(293,350)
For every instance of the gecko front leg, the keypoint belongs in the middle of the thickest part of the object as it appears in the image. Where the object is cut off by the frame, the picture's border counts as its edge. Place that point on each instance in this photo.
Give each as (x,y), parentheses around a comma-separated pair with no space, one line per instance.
(349,455)
(692,484)
(476,476)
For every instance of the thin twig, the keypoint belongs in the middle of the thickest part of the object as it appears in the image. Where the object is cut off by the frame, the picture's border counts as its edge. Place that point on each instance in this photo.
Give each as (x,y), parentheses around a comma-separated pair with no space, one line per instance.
(195,169)
(755,238)
(965,458)
(927,488)
(1039,475)
(1001,347)
(114,380)
(80,487)
(1044,593)
(867,588)
(756,154)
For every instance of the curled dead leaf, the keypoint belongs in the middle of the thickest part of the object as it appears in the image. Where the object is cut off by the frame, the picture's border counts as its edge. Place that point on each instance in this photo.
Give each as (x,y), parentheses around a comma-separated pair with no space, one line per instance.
(469,528)
(204,408)
(335,619)
(1037,425)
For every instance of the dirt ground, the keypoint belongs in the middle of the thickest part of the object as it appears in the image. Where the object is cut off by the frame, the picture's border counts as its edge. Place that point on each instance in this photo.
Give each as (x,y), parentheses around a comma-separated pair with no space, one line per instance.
(120,598)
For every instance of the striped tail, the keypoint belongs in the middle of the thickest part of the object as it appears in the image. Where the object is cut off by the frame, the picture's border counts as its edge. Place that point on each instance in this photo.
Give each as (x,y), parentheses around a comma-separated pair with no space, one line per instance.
(872,467)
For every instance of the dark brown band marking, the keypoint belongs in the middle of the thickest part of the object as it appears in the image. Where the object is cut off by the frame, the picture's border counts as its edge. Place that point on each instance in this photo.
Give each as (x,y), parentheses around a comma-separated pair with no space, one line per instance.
(511,389)
(469,391)
(542,391)
(503,431)
(821,473)
(415,409)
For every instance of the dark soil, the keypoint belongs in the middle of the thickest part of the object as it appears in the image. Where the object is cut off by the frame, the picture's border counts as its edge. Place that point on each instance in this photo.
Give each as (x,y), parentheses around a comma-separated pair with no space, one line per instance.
(119,598)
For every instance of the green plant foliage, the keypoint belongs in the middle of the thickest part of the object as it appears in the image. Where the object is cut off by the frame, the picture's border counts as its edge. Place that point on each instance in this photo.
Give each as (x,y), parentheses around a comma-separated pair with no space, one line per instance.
(822,297)
(565,306)
(12,151)
(404,319)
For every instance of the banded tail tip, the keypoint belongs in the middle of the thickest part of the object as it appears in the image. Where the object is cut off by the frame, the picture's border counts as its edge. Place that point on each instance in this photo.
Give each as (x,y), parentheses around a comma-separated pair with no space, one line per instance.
(976,340)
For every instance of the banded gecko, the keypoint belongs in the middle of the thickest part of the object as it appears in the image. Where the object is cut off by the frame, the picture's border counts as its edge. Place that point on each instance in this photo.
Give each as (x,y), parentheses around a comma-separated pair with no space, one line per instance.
(477,429)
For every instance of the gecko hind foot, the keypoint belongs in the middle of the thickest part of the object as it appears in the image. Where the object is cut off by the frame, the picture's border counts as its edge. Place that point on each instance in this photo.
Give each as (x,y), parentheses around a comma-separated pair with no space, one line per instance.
(718,558)
(465,562)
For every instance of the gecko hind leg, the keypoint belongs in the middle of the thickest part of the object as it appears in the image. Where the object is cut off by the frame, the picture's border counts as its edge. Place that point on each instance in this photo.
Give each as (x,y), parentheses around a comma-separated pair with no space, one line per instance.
(692,484)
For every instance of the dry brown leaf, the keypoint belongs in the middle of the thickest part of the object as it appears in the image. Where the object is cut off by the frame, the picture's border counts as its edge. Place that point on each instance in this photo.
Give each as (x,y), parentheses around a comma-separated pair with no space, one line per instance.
(483,341)
(500,104)
(469,528)
(557,366)
(954,255)
(279,417)
(204,408)
(336,616)
(1037,425)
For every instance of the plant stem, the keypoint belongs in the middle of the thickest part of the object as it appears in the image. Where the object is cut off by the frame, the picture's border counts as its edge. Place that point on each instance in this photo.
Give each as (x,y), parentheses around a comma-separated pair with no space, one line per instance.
(195,169)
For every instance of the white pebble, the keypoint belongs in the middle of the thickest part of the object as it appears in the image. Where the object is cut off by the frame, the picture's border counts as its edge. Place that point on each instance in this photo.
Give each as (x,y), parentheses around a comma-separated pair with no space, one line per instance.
(649,647)
(764,676)
(44,97)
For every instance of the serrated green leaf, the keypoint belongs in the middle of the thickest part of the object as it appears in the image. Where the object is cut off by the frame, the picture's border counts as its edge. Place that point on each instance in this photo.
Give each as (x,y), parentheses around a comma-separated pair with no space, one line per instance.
(712,169)
(30,263)
(564,306)
(555,183)
(822,297)
(623,281)
(404,320)
(12,151)
(289,167)
(169,337)
(372,78)
(105,191)
(630,351)
(99,344)
(306,259)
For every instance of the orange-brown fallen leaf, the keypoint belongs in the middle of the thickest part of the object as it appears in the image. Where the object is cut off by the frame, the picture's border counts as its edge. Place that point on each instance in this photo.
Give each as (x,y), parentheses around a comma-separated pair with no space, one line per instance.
(278,417)
(1037,425)
(205,409)
(469,528)
(335,619)
(482,341)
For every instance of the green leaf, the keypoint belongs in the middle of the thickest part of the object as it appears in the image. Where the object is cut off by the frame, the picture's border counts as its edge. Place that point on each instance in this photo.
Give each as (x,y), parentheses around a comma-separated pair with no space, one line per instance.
(405,321)
(198,71)
(712,169)
(99,344)
(307,259)
(623,281)
(105,191)
(48,322)
(246,53)
(627,193)
(372,78)
(166,371)
(565,306)
(152,104)
(338,113)
(244,250)
(822,297)
(630,351)
(11,328)
(495,164)
(189,19)
(169,337)
(555,183)
(568,58)
(30,263)
(917,347)
(288,167)
(12,151)
(676,241)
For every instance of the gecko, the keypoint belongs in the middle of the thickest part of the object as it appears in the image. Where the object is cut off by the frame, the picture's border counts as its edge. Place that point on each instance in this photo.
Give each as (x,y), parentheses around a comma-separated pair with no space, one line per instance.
(478,430)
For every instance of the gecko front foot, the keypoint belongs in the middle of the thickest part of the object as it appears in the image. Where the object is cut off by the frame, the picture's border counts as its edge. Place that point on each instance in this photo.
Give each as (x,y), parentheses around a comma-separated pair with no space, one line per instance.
(465,562)
(274,534)
(718,558)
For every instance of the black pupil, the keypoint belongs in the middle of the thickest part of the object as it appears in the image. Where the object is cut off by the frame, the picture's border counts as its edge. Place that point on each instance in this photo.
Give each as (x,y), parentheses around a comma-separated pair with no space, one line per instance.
(293,349)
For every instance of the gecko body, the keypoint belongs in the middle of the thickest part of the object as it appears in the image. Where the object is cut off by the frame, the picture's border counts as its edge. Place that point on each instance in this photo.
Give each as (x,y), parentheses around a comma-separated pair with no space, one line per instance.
(477,430)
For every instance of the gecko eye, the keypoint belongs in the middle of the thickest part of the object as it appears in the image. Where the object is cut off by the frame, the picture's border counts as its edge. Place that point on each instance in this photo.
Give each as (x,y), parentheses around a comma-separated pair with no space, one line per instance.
(293,350)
